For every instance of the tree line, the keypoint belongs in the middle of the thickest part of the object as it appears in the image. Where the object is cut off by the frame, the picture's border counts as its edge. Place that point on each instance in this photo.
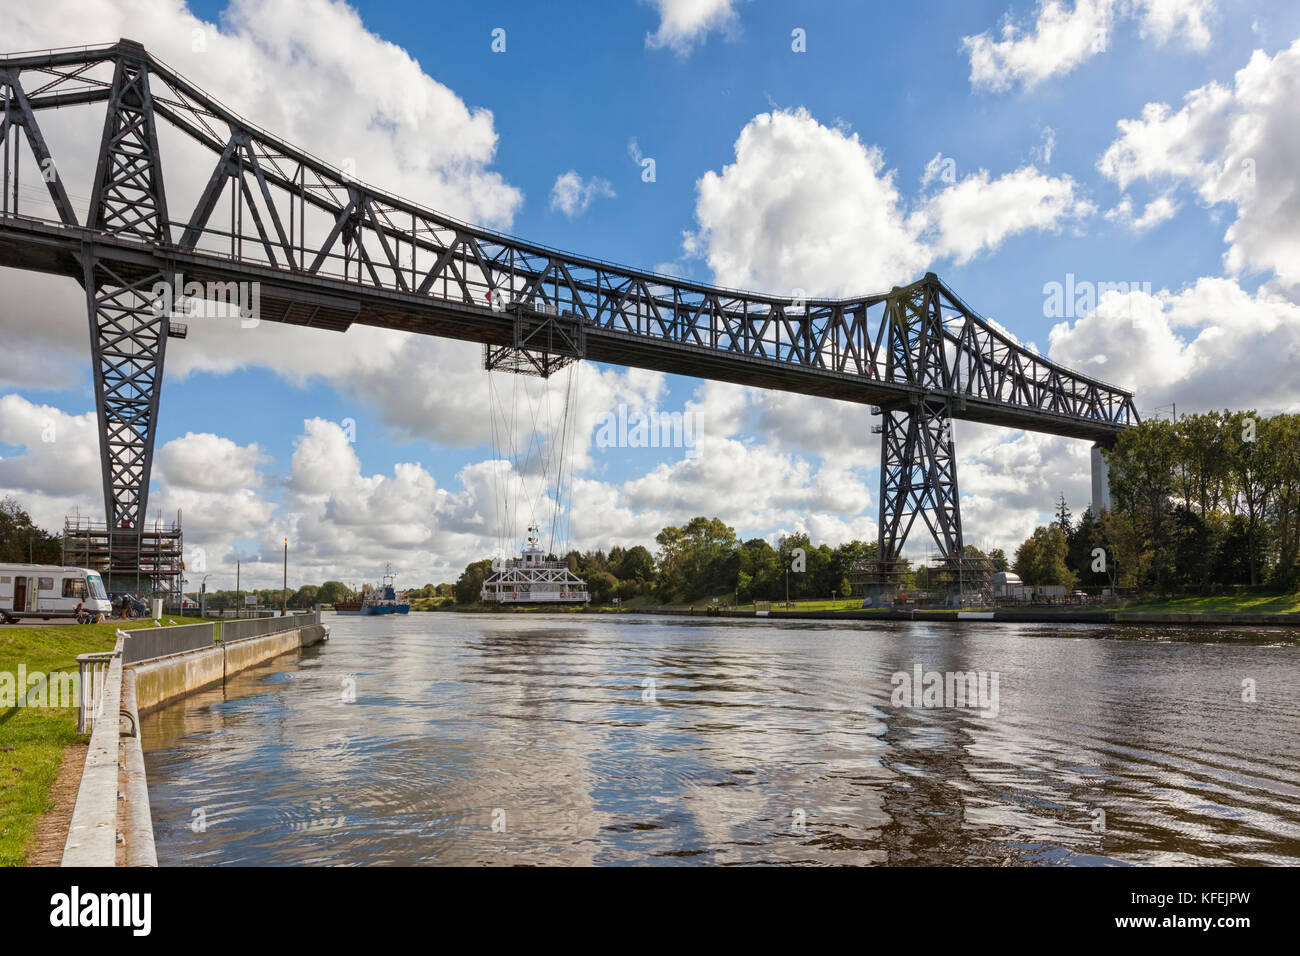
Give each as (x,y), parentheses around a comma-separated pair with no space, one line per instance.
(1208,501)
(308,595)
(704,558)
(21,541)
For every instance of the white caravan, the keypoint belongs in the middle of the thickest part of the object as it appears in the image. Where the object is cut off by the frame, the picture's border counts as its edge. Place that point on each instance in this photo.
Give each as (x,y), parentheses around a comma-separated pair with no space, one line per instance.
(47,590)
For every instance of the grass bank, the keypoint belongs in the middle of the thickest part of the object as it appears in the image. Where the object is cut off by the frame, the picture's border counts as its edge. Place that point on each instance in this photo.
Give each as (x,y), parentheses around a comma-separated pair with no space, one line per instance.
(1219,604)
(1224,604)
(32,739)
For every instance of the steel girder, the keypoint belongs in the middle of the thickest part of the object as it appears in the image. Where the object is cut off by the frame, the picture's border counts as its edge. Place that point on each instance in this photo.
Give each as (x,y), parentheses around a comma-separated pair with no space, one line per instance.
(128,197)
(129,320)
(293,214)
(310,228)
(918,463)
(918,478)
(128,334)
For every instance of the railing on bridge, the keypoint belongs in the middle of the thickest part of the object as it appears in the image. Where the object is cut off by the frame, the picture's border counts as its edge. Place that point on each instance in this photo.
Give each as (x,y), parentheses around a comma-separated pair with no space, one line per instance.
(307,220)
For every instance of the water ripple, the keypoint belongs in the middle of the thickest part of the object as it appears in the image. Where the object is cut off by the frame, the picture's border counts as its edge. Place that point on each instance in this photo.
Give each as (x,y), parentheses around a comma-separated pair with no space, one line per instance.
(499,739)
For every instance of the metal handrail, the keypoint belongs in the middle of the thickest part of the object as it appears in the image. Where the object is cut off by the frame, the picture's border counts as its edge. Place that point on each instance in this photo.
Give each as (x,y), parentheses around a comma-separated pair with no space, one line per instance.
(91,671)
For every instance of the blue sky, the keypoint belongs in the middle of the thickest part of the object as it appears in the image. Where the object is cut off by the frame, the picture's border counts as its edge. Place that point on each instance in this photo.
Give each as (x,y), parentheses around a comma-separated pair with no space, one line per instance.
(574,87)
(578,83)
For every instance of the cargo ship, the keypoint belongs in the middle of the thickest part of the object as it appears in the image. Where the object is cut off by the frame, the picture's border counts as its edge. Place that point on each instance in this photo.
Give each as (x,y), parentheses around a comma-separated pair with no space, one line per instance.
(351,606)
(385,599)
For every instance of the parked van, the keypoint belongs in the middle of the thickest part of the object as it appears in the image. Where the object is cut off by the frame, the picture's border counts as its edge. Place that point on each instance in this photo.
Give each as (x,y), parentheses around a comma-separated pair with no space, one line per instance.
(47,591)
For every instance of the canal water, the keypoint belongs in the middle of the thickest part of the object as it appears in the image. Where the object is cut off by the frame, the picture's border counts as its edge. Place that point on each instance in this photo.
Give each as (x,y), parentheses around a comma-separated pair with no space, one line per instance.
(580,739)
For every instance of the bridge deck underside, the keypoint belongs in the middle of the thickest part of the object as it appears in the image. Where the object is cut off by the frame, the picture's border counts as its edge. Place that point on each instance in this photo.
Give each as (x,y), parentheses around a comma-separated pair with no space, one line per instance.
(321,302)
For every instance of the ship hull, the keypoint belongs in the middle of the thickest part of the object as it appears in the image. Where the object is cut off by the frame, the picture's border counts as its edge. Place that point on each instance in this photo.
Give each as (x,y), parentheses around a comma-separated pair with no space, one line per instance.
(386,609)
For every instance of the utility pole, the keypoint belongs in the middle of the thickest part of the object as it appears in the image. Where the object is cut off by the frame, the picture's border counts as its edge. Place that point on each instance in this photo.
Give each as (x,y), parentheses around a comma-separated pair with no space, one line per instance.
(785,559)
(284,594)
(239,596)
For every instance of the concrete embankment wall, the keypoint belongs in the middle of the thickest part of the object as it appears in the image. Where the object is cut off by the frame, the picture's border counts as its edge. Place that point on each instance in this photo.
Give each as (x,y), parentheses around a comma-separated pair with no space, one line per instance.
(112,823)
(92,834)
(135,819)
(167,679)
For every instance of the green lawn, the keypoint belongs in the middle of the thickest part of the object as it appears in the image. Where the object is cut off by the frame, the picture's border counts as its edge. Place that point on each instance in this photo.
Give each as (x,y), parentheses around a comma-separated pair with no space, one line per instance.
(1225,603)
(797,604)
(1257,604)
(817,604)
(32,738)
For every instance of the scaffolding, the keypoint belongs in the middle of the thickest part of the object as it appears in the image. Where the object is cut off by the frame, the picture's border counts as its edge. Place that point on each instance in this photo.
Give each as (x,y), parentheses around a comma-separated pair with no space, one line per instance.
(966,579)
(146,561)
(960,580)
(879,579)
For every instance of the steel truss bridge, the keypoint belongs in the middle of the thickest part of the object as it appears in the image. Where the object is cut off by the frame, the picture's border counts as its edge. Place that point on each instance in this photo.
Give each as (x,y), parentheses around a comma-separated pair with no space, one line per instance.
(327,251)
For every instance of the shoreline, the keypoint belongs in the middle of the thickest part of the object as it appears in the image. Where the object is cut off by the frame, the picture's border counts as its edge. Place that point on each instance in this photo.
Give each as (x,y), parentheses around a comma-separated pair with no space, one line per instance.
(1016,616)
(941,615)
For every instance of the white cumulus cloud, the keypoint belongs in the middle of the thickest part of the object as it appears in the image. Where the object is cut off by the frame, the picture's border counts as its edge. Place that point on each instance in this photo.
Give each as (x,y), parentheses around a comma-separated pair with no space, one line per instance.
(573,195)
(1062,37)
(804,206)
(1161,209)
(1235,145)
(684,23)
(811,207)
(1210,345)
(978,213)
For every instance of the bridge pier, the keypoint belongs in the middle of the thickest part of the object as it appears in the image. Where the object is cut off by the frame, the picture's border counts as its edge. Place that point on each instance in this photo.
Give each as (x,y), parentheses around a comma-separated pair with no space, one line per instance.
(129,308)
(128,341)
(918,477)
(1100,481)
(128,328)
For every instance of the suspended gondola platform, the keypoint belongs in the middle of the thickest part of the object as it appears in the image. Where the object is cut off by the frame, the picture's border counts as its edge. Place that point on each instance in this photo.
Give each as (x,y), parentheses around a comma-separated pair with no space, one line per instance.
(532,579)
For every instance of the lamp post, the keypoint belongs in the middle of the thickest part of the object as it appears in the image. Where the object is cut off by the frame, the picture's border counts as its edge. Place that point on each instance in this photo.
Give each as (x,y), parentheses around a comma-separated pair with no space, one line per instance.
(284,593)
(786,562)
(203,596)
